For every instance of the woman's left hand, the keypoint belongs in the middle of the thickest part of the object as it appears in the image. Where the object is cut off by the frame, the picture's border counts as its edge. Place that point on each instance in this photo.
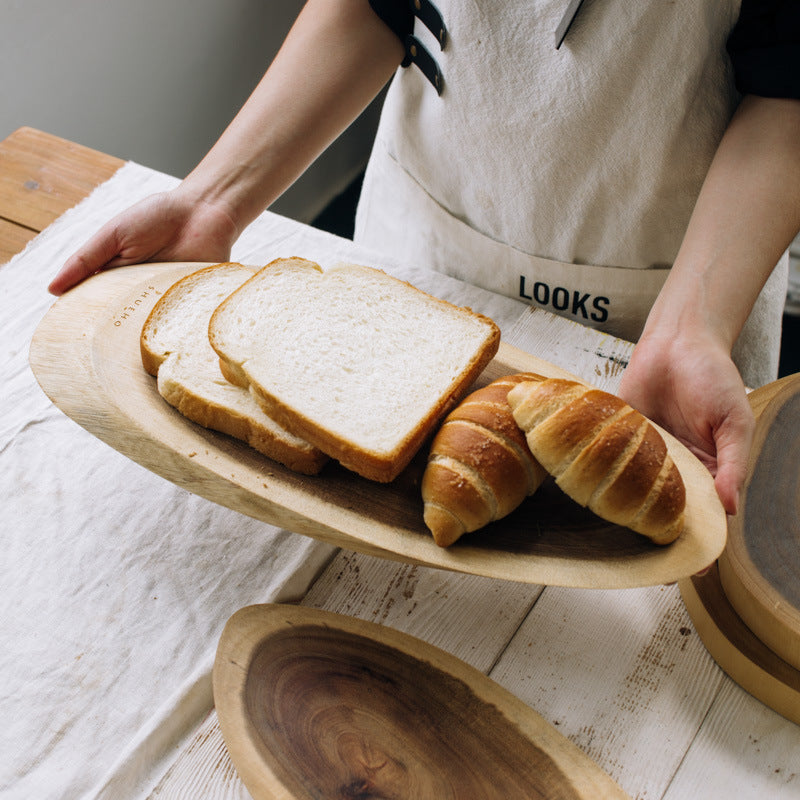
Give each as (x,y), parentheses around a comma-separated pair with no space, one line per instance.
(690,386)
(681,374)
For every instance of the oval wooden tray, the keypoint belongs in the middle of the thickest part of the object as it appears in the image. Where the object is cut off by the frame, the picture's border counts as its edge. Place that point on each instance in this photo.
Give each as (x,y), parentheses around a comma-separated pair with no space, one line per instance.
(85,355)
(314,704)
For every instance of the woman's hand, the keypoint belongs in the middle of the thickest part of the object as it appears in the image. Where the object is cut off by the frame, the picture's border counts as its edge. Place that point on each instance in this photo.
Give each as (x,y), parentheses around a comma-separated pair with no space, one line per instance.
(681,374)
(336,58)
(689,385)
(164,227)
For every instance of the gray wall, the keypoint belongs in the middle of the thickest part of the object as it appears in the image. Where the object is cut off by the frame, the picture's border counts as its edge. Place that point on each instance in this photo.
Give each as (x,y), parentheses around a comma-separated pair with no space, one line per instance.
(155,81)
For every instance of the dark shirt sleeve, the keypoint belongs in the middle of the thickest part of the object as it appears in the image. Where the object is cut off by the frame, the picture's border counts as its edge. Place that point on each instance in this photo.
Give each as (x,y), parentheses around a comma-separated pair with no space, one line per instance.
(764,47)
(397,14)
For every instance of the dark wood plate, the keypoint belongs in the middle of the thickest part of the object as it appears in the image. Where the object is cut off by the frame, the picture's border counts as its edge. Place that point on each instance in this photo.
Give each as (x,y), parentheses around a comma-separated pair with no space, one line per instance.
(312,704)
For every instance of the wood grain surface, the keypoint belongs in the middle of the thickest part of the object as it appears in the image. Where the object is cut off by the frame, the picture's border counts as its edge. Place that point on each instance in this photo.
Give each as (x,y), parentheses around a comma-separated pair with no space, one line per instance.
(314,704)
(85,355)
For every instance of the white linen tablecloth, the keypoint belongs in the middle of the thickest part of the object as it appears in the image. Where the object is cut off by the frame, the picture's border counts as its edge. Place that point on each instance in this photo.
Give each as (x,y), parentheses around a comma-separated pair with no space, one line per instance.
(115,583)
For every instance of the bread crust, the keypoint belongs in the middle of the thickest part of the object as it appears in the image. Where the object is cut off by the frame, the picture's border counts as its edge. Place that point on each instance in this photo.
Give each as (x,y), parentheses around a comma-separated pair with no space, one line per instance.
(603,454)
(299,457)
(595,462)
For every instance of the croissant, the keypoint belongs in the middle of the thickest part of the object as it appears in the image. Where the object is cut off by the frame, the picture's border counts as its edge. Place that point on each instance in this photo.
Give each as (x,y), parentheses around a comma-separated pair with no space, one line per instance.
(479,466)
(603,454)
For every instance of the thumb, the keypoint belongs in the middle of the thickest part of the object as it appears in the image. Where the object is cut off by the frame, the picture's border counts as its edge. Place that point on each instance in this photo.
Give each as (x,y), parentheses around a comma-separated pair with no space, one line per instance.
(733,440)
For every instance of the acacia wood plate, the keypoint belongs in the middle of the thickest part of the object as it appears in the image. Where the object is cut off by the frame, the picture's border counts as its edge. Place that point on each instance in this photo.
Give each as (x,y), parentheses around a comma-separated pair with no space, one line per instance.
(747,610)
(314,704)
(85,355)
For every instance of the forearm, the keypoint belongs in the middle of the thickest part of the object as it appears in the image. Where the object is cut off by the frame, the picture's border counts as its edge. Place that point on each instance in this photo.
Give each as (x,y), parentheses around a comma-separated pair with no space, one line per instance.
(335,60)
(746,215)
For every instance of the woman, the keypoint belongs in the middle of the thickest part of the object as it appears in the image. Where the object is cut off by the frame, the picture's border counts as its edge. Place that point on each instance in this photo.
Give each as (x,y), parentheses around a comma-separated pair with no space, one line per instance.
(618,178)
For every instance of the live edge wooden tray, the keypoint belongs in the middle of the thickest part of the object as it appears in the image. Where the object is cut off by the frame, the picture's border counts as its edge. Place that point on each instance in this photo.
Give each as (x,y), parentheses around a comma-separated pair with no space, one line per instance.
(85,355)
(313,704)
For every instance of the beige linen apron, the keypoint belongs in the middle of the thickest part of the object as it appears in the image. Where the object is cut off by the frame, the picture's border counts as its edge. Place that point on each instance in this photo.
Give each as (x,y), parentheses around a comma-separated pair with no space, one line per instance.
(562,177)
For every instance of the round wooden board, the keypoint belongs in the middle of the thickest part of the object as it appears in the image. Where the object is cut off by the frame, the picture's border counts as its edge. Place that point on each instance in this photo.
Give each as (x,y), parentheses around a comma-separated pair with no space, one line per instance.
(315,704)
(737,650)
(760,567)
(85,355)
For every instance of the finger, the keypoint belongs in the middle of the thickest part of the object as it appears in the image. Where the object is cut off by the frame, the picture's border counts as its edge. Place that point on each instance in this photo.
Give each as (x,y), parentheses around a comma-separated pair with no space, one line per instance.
(733,448)
(75,269)
(97,253)
(729,485)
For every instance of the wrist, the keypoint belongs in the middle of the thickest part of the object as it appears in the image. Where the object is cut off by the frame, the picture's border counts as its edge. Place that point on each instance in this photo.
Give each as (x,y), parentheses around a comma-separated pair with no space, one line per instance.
(222,197)
(691,306)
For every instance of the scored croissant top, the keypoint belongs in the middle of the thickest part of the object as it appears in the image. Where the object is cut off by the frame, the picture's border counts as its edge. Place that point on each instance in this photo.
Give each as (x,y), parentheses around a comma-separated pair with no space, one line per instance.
(479,466)
(603,454)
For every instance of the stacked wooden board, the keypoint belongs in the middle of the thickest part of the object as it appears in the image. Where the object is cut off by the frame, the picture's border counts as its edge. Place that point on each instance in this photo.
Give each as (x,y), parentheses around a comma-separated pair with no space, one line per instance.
(747,609)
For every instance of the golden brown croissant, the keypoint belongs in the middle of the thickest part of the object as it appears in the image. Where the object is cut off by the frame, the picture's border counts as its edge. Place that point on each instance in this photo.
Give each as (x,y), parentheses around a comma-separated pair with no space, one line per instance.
(603,454)
(479,467)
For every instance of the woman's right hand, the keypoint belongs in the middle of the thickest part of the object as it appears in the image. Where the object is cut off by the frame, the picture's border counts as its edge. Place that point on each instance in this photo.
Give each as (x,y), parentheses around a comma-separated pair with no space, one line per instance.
(170,226)
(298,108)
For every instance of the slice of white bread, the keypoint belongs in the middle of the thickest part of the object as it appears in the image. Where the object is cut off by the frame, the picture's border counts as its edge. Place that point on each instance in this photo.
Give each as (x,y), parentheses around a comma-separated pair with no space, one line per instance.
(175,348)
(357,362)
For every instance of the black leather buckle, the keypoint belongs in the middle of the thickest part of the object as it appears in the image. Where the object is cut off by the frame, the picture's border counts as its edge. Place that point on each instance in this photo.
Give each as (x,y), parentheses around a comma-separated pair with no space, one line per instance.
(429,16)
(416,52)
